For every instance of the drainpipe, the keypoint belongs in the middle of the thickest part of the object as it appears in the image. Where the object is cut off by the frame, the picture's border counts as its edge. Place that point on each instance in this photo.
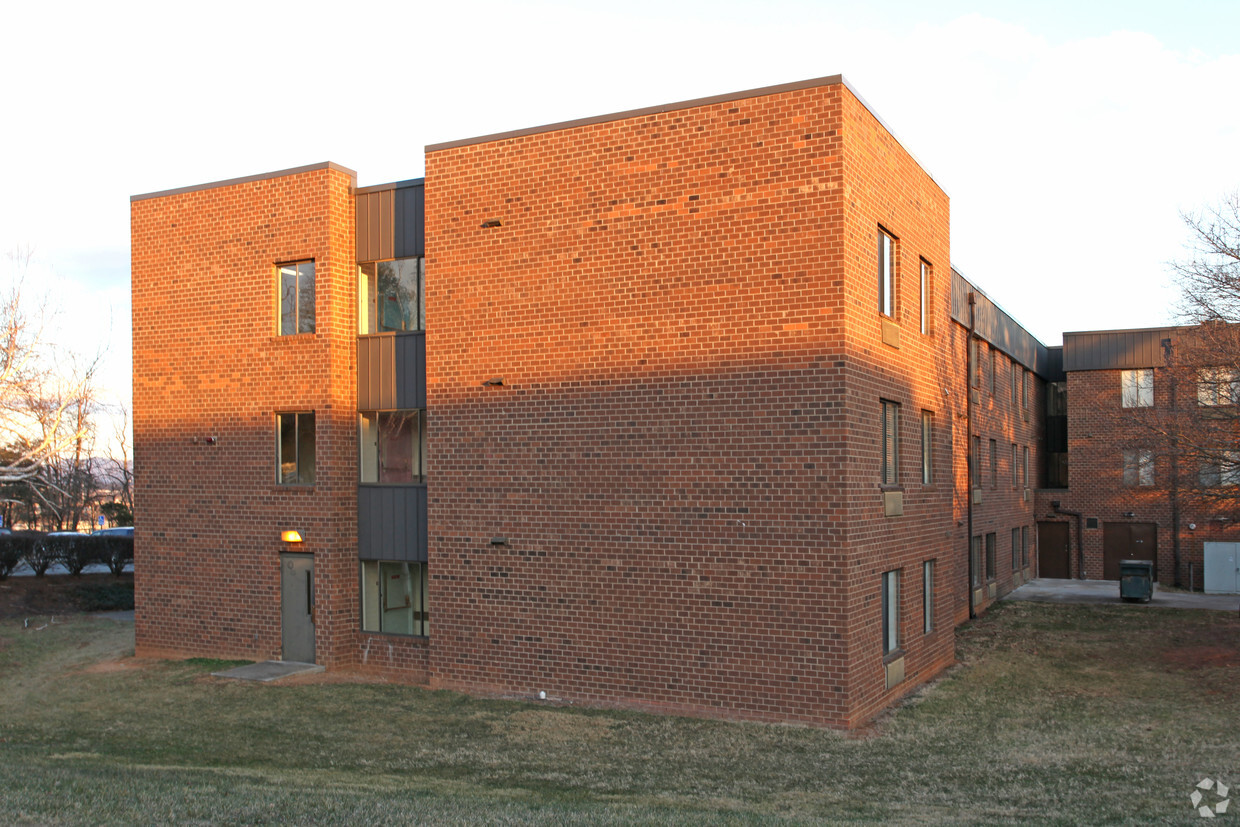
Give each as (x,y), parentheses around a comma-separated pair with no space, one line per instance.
(1174,493)
(968,441)
(1080,538)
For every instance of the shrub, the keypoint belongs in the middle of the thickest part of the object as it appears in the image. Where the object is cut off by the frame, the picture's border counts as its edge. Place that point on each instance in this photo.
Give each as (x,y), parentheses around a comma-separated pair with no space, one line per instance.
(116,551)
(73,551)
(34,551)
(10,555)
(104,597)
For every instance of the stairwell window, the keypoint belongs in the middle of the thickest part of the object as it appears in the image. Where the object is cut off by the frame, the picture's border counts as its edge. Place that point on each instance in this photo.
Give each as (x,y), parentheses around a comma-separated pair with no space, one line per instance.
(391,296)
(393,446)
(891,611)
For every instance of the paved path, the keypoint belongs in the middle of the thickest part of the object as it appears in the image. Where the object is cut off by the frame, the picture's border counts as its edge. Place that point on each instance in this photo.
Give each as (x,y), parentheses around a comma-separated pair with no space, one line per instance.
(1047,590)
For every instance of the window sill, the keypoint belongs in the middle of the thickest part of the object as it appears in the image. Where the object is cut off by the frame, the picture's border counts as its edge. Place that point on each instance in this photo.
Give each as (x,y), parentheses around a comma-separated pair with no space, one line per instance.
(293,487)
(294,337)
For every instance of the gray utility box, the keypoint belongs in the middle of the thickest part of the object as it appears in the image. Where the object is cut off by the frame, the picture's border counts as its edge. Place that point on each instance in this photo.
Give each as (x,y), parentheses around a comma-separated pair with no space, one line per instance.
(1136,580)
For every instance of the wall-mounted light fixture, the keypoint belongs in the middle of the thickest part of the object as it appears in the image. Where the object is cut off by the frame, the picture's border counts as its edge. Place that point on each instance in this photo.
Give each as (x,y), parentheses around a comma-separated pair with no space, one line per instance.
(290,536)
(495,382)
(1192,526)
(490,223)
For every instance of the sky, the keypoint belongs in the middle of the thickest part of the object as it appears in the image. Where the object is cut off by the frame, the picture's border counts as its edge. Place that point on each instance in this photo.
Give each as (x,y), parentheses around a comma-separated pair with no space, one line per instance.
(1070,137)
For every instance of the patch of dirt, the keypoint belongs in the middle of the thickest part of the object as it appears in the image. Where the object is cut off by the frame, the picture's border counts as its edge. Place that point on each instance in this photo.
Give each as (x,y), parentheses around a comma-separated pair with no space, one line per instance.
(1199,657)
(53,594)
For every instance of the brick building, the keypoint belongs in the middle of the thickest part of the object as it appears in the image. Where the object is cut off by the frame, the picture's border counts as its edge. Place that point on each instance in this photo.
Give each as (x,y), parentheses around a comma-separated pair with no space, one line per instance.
(666,409)
(1146,422)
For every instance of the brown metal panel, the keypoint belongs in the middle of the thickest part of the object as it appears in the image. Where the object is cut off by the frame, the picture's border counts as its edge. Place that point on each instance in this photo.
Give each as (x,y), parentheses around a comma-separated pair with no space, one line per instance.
(387,218)
(363,375)
(386,391)
(1053,553)
(362,233)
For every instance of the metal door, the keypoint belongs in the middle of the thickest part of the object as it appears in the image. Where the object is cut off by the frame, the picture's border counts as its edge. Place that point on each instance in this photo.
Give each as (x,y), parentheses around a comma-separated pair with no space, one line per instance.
(1222,568)
(1053,550)
(1128,541)
(297,607)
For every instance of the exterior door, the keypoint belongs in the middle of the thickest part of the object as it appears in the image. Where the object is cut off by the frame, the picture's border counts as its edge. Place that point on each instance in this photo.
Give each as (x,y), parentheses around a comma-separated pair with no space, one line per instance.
(1222,568)
(297,607)
(1128,541)
(1053,554)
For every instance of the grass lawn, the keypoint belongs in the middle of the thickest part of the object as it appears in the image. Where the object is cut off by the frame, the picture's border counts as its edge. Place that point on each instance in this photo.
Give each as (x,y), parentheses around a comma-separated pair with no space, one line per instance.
(1068,714)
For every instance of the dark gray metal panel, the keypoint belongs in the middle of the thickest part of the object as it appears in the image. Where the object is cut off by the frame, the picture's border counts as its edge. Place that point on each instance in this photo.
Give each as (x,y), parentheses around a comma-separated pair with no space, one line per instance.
(409,221)
(1116,349)
(391,522)
(410,370)
(995,326)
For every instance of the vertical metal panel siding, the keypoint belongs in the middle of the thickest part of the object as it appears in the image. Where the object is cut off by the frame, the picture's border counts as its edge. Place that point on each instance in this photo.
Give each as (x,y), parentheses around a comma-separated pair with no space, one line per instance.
(411,370)
(1115,350)
(409,221)
(374,226)
(391,522)
(997,327)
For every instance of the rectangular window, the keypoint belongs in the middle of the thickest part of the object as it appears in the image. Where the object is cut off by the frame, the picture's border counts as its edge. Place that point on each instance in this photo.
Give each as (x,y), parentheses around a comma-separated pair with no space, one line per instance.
(296,308)
(994,464)
(295,448)
(891,611)
(1015,468)
(1138,467)
(1218,386)
(927,448)
(1024,545)
(991,542)
(927,596)
(891,443)
(1015,549)
(994,369)
(393,446)
(975,557)
(394,598)
(977,462)
(927,293)
(1024,389)
(975,363)
(1137,388)
(1221,470)
(886,274)
(1024,466)
(1013,374)
(391,296)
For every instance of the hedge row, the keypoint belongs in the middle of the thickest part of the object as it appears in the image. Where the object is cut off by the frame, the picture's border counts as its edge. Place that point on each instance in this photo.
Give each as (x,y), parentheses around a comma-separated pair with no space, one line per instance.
(40,552)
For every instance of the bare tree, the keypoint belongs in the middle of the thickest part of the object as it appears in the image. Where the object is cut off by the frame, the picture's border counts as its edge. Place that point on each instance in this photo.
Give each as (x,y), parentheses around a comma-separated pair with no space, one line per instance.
(45,395)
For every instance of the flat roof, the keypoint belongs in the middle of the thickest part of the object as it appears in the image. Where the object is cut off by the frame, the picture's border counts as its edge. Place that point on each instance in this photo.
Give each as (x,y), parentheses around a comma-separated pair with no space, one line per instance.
(246,179)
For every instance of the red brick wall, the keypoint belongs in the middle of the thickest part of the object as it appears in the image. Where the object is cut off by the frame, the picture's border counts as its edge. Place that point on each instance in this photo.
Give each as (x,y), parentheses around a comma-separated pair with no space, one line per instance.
(208,362)
(682,458)
(1099,429)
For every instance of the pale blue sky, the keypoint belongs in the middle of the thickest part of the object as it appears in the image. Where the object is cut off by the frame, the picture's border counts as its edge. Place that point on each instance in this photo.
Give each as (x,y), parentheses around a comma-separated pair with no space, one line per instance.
(1068,135)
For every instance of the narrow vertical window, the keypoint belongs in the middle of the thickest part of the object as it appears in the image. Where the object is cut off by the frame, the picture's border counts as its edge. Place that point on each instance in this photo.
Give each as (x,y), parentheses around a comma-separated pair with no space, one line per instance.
(994,369)
(1024,389)
(891,611)
(886,274)
(891,443)
(295,283)
(975,364)
(927,448)
(1015,469)
(1024,466)
(295,448)
(1014,374)
(927,291)
(990,556)
(977,462)
(1024,545)
(975,560)
(994,464)
(927,596)
(1015,549)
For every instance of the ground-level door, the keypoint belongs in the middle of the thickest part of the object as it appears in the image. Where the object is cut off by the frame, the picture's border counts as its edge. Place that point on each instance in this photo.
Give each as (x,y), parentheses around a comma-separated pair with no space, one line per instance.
(297,607)
(1222,564)
(1128,541)
(1053,555)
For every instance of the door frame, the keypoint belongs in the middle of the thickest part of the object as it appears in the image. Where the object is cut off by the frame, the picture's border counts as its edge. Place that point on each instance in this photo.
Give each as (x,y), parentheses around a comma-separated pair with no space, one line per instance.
(300,610)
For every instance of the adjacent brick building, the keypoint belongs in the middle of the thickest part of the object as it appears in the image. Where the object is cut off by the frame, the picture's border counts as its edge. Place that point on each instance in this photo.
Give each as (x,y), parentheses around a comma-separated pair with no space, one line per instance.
(666,409)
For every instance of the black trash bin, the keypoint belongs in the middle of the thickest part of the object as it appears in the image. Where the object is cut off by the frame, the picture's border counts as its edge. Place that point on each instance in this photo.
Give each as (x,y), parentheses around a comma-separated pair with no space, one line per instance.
(1136,580)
